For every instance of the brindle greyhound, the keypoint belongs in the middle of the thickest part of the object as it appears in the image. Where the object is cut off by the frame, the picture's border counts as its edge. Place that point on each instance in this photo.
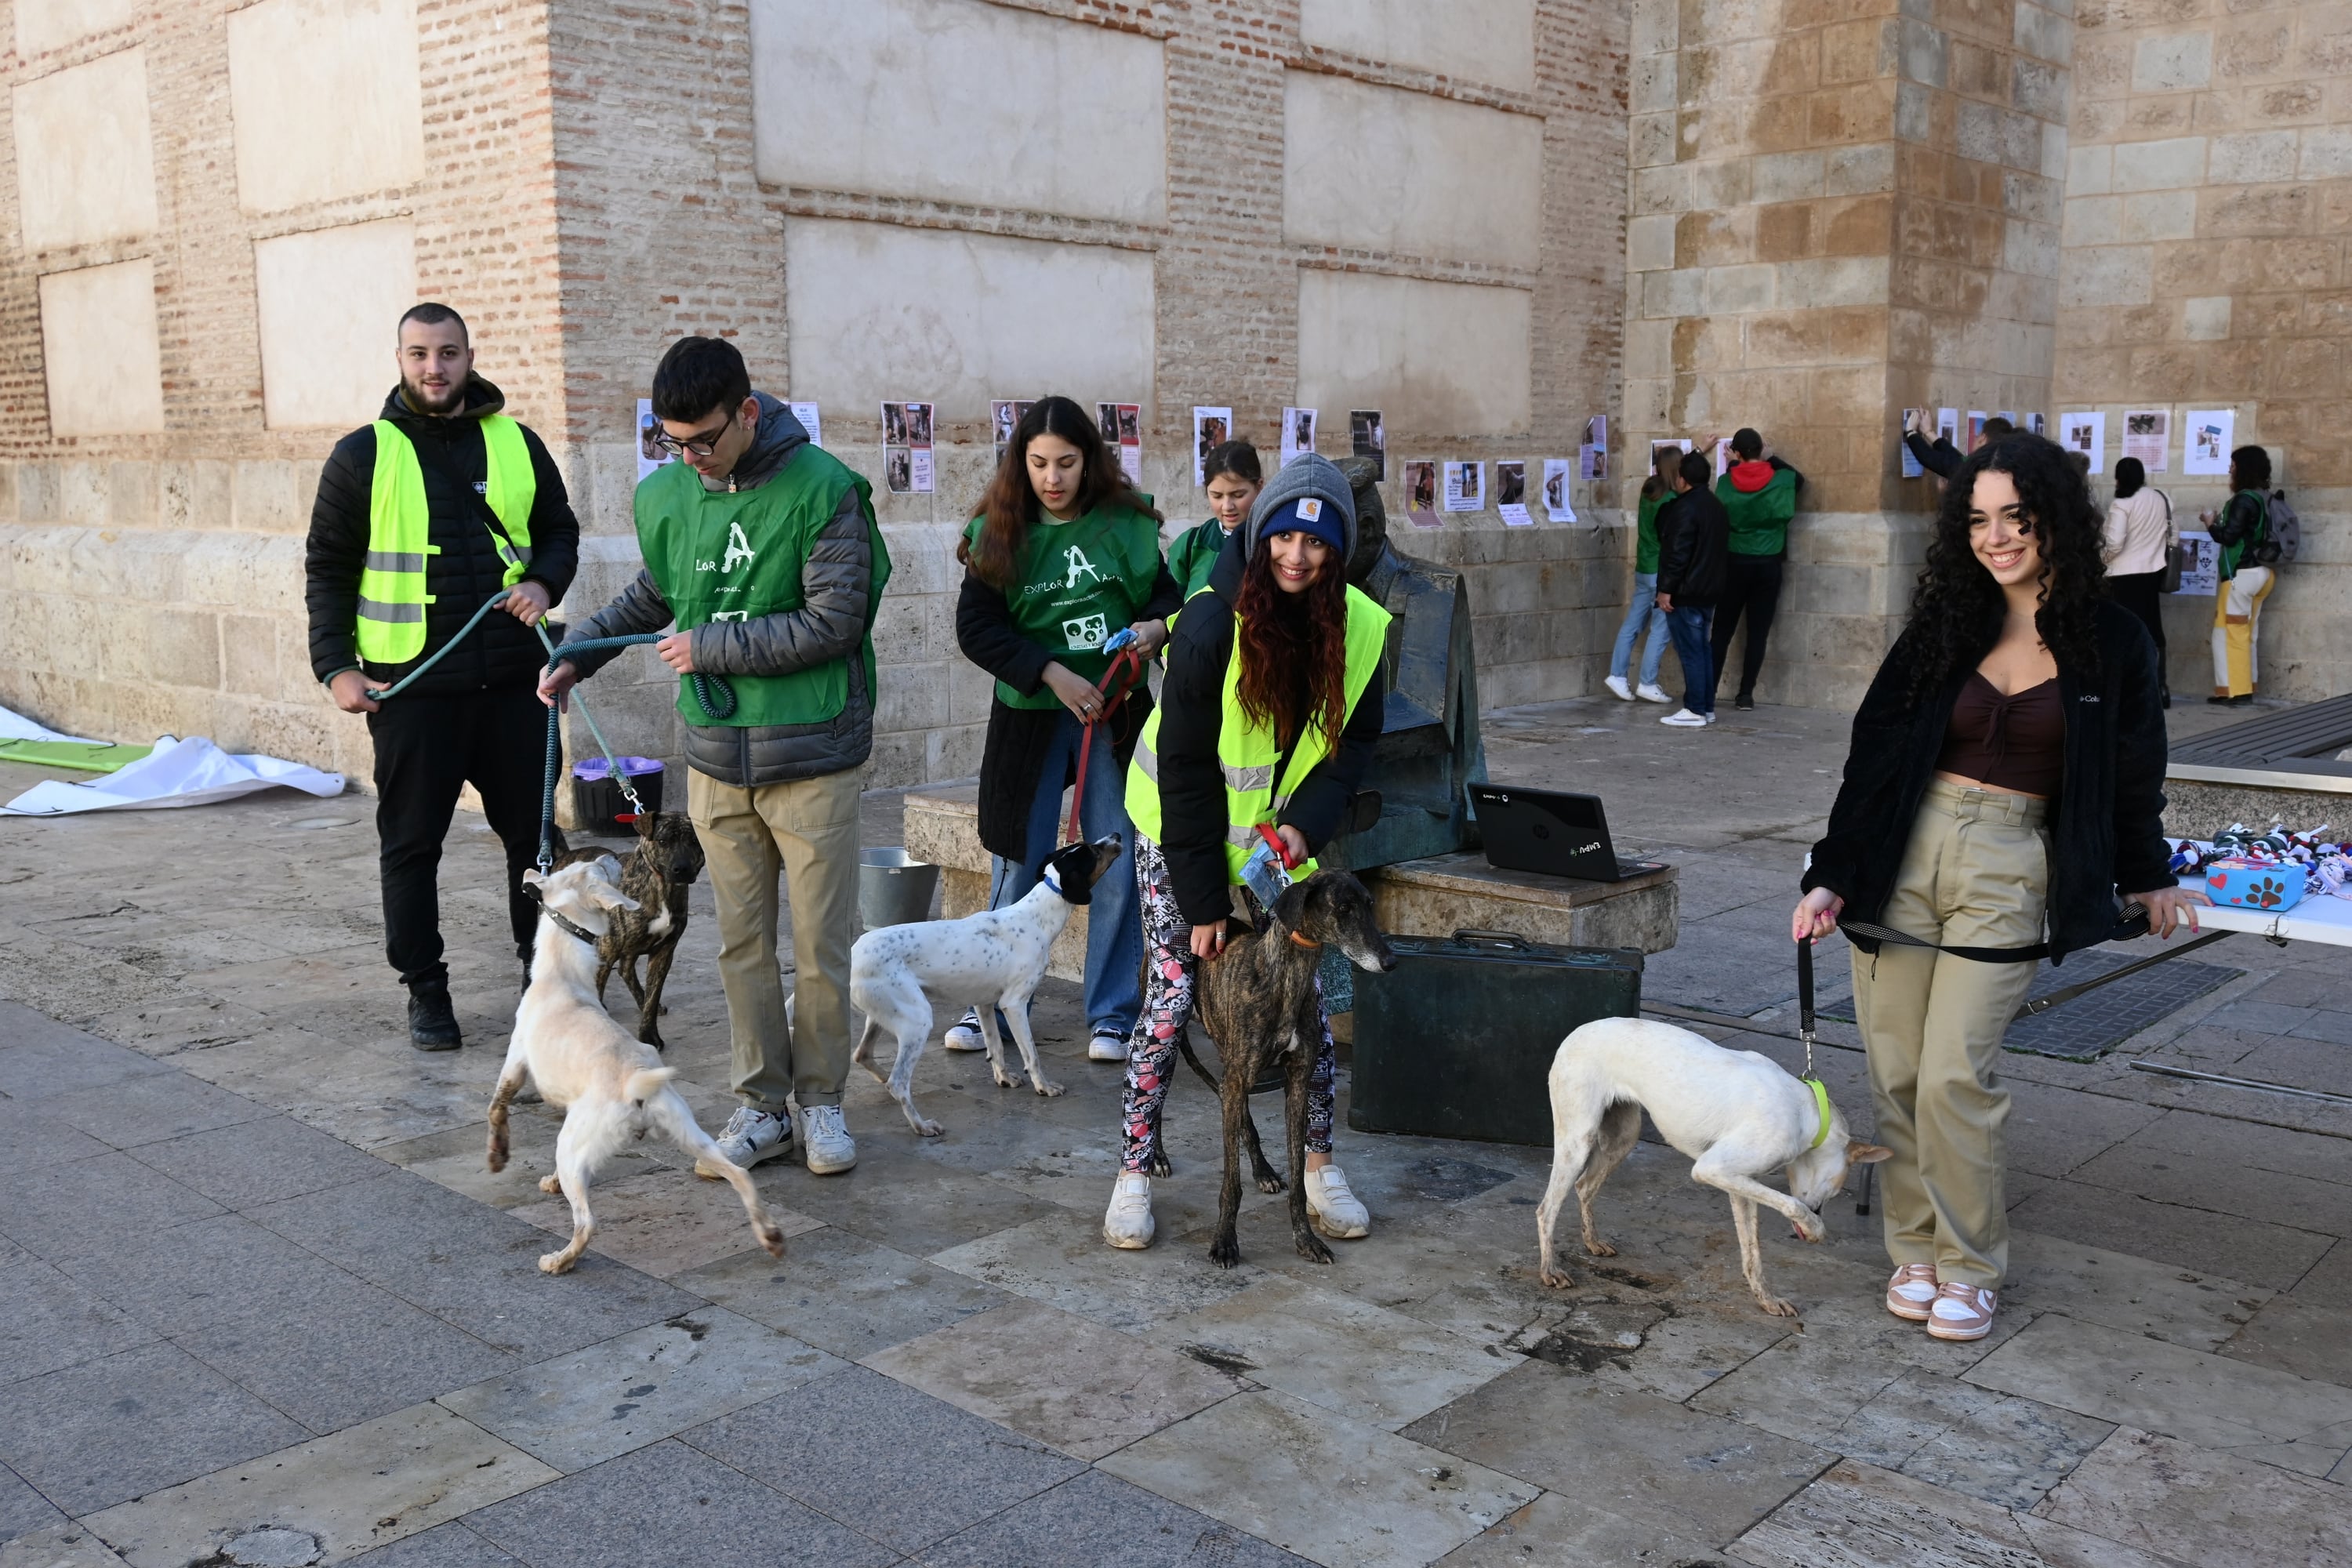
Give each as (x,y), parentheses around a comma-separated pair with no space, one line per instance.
(657,874)
(1258,1000)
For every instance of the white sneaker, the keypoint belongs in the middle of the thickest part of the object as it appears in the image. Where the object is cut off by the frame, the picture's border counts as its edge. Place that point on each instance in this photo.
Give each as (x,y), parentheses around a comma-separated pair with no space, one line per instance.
(1683,719)
(965,1036)
(1334,1210)
(1107,1047)
(1651,692)
(750,1137)
(825,1143)
(1710,715)
(1616,683)
(1129,1223)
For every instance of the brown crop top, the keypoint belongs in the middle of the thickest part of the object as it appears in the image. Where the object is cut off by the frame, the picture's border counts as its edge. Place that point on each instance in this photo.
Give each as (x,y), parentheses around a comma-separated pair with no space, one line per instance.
(2016,743)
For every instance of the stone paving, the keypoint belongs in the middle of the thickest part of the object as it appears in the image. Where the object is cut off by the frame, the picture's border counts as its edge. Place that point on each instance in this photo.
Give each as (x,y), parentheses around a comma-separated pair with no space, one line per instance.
(261,1304)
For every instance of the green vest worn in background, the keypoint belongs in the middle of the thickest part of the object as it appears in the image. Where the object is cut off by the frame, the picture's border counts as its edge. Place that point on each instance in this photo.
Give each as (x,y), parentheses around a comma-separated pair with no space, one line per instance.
(391,583)
(1246,751)
(1075,585)
(737,555)
(1646,537)
(1759,519)
(1194,555)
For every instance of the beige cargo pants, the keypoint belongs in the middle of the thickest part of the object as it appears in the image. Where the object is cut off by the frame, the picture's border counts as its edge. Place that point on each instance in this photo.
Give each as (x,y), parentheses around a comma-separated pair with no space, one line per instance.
(1975,874)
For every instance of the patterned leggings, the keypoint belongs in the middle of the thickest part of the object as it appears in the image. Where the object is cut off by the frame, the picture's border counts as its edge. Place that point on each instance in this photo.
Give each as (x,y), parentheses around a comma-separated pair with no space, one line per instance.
(1167,1007)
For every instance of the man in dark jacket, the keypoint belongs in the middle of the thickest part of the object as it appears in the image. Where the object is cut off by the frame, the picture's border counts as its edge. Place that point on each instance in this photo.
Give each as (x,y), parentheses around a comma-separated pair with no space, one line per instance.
(1759,493)
(420,518)
(1694,552)
(763,549)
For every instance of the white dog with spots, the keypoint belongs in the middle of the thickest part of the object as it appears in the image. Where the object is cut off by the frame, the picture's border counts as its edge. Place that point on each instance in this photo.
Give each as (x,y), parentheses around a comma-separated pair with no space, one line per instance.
(994,959)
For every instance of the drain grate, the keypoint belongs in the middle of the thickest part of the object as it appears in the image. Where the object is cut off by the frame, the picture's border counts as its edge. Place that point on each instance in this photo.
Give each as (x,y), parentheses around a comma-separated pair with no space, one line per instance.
(2091,1025)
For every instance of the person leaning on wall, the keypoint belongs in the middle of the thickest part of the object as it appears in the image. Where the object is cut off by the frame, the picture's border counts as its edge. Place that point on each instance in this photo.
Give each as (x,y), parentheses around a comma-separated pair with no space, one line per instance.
(2247,555)
(420,518)
(1760,494)
(1642,610)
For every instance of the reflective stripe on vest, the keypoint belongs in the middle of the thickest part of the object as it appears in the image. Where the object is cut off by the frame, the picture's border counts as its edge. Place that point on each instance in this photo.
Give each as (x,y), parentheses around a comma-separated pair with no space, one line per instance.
(1246,751)
(392,577)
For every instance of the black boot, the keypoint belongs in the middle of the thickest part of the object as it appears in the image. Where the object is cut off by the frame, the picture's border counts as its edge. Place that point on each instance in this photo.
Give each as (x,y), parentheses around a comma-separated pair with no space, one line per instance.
(432,1022)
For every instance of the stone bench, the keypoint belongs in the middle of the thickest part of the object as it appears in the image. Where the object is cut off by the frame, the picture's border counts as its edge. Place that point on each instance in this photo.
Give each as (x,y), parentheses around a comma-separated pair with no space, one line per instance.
(1435,897)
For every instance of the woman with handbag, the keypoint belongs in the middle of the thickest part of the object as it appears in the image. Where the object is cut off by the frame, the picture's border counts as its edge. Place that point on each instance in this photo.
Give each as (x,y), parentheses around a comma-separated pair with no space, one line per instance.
(2005,781)
(2137,542)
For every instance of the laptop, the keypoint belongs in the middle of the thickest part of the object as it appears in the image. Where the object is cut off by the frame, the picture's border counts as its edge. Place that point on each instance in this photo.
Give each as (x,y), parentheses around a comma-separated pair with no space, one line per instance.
(1553,832)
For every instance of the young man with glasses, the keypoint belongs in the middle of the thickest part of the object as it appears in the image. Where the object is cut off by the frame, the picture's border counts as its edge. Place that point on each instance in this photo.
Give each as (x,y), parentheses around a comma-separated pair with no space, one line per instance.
(763,550)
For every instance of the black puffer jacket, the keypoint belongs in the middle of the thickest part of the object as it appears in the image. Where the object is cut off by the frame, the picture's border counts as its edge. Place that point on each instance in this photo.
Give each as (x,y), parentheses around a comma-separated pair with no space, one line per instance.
(1694,549)
(466,572)
(2106,825)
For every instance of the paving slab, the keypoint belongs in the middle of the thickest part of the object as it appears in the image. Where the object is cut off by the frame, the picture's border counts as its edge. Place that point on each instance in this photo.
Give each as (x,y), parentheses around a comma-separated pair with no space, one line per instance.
(665,1222)
(2293,1335)
(147,1108)
(915,1210)
(668,1503)
(24,1510)
(62,1211)
(1063,1261)
(2052,1130)
(2226,1406)
(1064,1380)
(2003,1449)
(1333,1490)
(2215,1181)
(47,1060)
(255,1161)
(33,1138)
(2175,1499)
(842,1292)
(2050,1273)
(1093,1518)
(48,1320)
(58,1546)
(450,1545)
(1645,1459)
(905,1469)
(456,1158)
(578,1410)
(1331,1349)
(1859,1516)
(181,1278)
(2198,1240)
(2312,1155)
(93,1434)
(1556,1532)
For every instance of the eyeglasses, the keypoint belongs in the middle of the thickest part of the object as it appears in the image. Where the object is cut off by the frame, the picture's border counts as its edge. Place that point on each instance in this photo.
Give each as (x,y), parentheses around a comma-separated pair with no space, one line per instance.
(700,445)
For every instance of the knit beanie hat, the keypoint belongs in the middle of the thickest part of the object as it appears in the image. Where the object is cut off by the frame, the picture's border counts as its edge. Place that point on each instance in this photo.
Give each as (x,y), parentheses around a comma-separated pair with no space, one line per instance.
(1307,495)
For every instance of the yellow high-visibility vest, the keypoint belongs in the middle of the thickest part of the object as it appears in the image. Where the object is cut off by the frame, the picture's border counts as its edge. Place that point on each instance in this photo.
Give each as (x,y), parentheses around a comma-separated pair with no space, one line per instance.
(391,583)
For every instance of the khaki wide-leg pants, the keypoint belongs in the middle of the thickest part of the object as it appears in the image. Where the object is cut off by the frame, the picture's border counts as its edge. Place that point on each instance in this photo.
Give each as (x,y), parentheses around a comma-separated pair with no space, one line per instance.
(808,828)
(1975,874)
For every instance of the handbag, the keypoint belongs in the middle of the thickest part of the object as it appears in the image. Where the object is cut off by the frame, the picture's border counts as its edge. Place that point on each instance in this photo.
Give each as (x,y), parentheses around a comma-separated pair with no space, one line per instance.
(2178,556)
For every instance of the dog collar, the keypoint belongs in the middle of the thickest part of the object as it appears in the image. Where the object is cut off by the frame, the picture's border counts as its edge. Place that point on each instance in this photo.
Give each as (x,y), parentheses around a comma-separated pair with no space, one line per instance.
(1301,942)
(1053,879)
(583,933)
(1822,1099)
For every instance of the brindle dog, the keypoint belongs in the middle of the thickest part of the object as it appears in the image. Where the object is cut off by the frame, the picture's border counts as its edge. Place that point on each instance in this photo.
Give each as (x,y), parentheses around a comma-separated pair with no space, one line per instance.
(1258,1001)
(657,874)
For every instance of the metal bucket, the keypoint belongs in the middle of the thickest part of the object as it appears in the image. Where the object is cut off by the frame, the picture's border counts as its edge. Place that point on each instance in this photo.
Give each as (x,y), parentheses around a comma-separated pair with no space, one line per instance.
(894,889)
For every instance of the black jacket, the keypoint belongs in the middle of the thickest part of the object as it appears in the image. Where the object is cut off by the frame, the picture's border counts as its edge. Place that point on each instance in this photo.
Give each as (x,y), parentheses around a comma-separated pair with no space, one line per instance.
(1693,548)
(1013,757)
(1193,781)
(2106,825)
(1939,457)
(467,571)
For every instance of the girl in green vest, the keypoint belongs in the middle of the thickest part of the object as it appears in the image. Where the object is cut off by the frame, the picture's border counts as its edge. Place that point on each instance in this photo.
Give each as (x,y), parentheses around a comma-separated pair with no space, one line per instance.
(1270,710)
(1234,482)
(1064,555)
(1642,608)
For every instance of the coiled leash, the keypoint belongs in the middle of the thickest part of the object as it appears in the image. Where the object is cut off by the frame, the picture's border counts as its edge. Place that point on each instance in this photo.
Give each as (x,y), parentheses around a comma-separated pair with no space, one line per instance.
(1126,670)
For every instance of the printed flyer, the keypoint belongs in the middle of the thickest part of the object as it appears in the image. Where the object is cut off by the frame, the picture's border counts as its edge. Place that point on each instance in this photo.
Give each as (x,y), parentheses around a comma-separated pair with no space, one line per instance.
(1212,427)
(1122,432)
(907,449)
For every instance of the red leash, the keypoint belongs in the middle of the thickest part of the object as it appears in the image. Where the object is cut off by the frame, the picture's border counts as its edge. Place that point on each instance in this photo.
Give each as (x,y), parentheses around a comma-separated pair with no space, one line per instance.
(1126,659)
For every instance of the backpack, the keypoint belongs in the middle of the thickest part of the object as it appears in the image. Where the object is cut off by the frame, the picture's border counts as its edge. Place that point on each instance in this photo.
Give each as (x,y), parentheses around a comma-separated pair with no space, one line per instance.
(2281,533)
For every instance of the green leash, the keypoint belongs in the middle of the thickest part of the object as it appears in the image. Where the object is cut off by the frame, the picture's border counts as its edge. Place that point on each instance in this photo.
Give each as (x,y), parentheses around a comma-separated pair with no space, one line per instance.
(1805,1033)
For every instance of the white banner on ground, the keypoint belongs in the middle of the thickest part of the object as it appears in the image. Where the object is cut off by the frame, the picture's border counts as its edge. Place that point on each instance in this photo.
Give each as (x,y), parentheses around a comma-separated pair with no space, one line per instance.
(177,773)
(14,726)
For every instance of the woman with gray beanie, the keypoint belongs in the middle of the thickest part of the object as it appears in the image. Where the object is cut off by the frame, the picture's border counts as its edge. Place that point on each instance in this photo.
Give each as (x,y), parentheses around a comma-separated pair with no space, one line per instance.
(1267,719)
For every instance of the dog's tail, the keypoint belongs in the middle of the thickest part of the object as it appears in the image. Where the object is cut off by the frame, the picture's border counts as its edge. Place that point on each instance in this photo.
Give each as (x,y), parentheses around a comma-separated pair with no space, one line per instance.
(646,1082)
(1185,1044)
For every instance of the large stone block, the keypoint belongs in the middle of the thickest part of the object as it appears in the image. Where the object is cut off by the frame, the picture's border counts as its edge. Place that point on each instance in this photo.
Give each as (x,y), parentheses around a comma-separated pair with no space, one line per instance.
(1470,41)
(2172,62)
(327,302)
(1377,168)
(2250,157)
(85,156)
(296,66)
(1436,358)
(2171,164)
(2108,275)
(101,358)
(44,24)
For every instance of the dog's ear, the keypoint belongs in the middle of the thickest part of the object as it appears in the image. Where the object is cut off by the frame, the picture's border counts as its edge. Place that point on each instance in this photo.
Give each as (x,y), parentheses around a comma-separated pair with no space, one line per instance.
(1289,910)
(533,877)
(1858,1153)
(606,896)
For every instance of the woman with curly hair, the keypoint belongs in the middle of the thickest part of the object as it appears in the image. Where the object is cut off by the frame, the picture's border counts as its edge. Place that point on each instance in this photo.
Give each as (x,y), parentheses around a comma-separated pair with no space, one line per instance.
(2004,782)
(1267,719)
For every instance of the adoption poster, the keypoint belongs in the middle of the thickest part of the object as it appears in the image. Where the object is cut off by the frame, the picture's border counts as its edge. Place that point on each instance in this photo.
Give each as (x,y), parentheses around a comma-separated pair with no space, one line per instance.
(1556,502)
(1122,432)
(1367,437)
(650,455)
(2086,433)
(1911,468)
(1420,492)
(1679,444)
(1511,493)
(2205,576)
(907,449)
(806,413)
(1977,417)
(1947,426)
(2037,425)
(1465,487)
(1003,414)
(2148,435)
(1722,458)
(1592,454)
(2205,443)
(1297,432)
(1212,428)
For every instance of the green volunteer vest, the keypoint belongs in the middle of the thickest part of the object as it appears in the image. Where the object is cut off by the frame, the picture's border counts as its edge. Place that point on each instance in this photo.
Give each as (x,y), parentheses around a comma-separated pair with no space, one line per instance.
(392,582)
(1076,583)
(2232,556)
(1246,751)
(1646,537)
(1194,555)
(1759,519)
(720,556)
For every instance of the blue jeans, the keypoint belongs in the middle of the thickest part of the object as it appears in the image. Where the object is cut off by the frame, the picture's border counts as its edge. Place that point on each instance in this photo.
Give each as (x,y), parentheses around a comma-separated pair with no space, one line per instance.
(1691,629)
(1113,925)
(1644,605)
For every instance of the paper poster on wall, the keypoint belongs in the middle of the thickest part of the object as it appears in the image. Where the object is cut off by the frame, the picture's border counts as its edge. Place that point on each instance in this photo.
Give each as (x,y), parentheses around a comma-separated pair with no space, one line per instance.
(2086,433)
(1912,418)
(650,455)
(907,449)
(1122,432)
(1555,501)
(2013,422)
(1591,463)
(1977,416)
(2206,440)
(1212,427)
(806,413)
(1511,493)
(1679,444)
(1297,432)
(1465,487)
(2205,576)
(2148,435)
(1003,414)
(2037,425)
(1947,426)
(1367,437)
(1596,442)
(1722,458)
(1420,492)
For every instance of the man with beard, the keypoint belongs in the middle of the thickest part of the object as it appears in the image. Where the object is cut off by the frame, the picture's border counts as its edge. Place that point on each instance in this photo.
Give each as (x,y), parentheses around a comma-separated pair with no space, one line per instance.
(421,517)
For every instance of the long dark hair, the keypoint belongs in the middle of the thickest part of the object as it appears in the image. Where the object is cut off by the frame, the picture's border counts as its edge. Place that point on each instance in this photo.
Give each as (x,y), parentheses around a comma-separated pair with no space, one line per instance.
(1662,462)
(1009,508)
(2130,475)
(1957,609)
(1293,649)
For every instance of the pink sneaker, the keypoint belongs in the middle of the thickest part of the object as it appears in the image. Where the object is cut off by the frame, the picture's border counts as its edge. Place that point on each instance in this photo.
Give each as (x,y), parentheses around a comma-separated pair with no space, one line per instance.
(1961,1312)
(1911,1291)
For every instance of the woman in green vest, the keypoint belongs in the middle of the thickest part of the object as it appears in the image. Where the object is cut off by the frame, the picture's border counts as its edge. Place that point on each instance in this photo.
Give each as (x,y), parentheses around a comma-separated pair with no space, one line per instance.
(1233,479)
(1642,608)
(1269,713)
(1064,555)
